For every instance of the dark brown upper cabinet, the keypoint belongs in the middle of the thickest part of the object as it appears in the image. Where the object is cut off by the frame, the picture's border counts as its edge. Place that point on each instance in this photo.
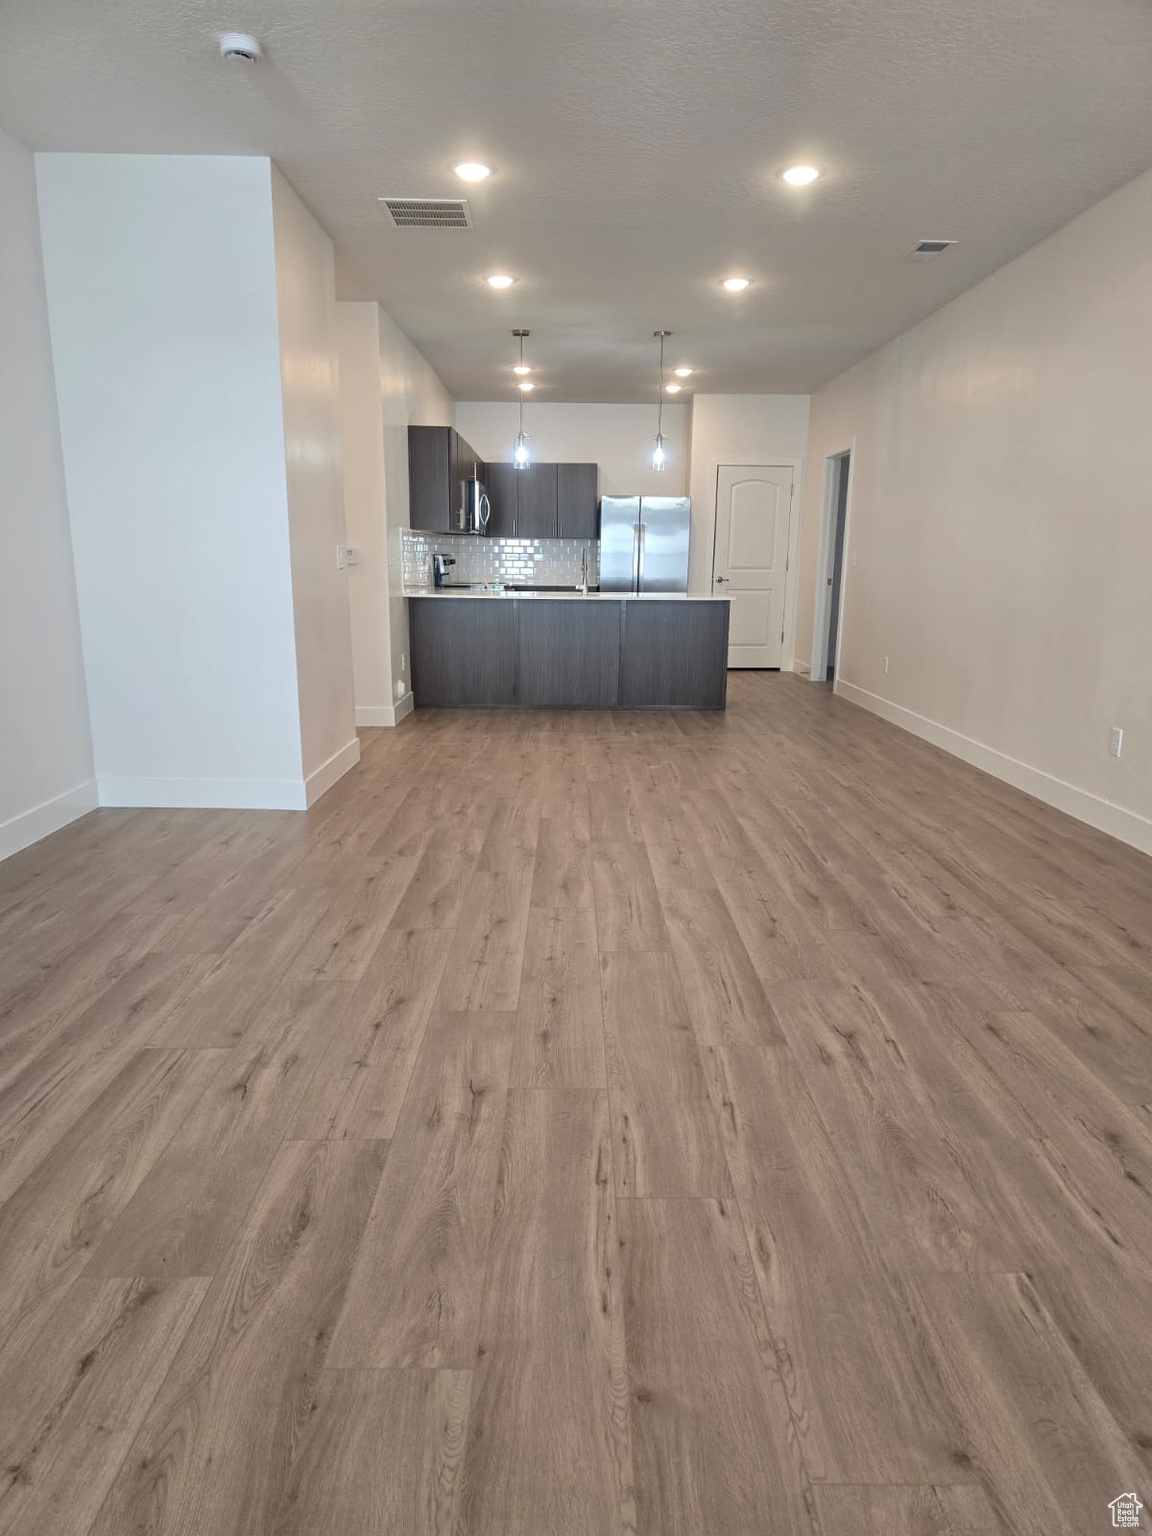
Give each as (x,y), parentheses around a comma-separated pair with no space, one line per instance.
(502,493)
(440,461)
(544,501)
(578,501)
(536,502)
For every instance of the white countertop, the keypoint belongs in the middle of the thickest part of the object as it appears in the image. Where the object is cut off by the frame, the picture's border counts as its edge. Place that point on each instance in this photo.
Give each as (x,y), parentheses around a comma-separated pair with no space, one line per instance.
(580,597)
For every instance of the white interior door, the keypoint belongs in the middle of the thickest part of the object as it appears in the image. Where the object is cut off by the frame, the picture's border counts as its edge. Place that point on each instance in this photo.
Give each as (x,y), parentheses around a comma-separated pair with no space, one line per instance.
(753,516)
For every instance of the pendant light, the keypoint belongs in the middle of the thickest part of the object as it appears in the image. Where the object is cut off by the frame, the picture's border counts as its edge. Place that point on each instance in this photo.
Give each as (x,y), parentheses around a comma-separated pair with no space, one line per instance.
(521,458)
(660,448)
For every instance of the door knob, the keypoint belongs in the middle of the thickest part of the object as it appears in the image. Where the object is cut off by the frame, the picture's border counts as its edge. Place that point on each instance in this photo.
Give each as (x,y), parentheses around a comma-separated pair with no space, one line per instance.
(721,578)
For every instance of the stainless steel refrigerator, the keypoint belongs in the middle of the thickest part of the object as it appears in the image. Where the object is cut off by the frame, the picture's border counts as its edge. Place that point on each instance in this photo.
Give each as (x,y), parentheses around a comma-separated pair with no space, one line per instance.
(644,543)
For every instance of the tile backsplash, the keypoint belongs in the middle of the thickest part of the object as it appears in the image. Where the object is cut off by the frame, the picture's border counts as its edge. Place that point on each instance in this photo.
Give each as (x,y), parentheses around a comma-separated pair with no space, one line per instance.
(520,562)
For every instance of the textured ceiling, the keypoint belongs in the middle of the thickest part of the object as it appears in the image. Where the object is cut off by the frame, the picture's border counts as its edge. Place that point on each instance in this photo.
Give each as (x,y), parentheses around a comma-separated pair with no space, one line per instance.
(636,143)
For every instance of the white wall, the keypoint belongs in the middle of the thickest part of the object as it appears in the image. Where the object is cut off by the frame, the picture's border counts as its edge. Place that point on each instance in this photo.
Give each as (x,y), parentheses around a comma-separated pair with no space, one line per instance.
(617,437)
(46,772)
(709,431)
(1001,517)
(162,301)
(411,394)
(362,439)
(385,385)
(736,429)
(306,304)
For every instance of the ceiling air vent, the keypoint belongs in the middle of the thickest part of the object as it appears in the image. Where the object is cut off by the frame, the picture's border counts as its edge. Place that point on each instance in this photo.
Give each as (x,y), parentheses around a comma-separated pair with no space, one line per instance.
(428,212)
(927,249)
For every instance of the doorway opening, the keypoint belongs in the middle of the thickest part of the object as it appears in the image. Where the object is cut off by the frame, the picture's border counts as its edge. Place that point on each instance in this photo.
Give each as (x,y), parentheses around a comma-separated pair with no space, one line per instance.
(830,575)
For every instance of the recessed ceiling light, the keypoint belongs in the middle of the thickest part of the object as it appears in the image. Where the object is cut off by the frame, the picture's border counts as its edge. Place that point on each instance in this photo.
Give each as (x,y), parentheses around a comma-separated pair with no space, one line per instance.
(473,170)
(682,373)
(801,175)
(499,280)
(673,389)
(525,385)
(734,284)
(522,368)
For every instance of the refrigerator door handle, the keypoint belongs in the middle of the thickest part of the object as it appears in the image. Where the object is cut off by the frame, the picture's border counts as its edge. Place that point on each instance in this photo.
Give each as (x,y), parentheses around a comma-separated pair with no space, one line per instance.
(636,562)
(640,573)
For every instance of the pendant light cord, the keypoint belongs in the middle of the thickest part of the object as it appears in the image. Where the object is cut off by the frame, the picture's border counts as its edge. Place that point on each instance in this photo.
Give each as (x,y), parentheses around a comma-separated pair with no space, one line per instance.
(520,447)
(521,428)
(660,395)
(658,452)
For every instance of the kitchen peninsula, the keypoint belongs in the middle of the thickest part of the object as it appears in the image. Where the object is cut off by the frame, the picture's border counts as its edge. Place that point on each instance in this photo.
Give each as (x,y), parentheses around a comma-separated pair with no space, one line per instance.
(532,650)
(528,590)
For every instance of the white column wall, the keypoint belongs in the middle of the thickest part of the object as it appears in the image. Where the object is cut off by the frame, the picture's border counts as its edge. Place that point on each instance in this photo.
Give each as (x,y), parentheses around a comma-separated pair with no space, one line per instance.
(309,374)
(385,386)
(195,373)
(46,771)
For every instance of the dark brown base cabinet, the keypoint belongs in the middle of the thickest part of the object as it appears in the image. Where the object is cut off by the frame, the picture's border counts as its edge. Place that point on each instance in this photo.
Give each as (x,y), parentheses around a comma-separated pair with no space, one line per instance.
(674,655)
(595,653)
(463,652)
(568,654)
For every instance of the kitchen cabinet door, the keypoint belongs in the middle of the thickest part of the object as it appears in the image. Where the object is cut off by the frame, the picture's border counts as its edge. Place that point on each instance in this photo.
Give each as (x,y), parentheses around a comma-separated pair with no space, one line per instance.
(569,653)
(430,477)
(466,463)
(578,501)
(502,492)
(468,460)
(456,474)
(674,654)
(463,652)
(536,502)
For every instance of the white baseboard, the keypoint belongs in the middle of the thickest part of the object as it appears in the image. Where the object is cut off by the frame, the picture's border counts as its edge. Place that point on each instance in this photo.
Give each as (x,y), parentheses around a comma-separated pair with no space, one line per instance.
(1129,826)
(191,794)
(323,778)
(205,794)
(48,817)
(386,714)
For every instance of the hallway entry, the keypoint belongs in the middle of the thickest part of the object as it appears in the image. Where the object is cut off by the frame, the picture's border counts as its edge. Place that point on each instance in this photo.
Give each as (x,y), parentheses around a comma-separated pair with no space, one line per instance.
(830,569)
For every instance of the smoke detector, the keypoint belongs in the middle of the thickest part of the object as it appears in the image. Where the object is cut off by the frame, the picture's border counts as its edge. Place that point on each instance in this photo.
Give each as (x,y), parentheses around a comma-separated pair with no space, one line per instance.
(927,249)
(238,45)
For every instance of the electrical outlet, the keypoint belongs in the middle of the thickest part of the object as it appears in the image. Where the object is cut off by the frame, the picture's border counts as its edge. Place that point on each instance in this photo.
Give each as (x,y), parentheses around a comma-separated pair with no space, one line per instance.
(885,666)
(340,553)
(1115,741)
(853,559)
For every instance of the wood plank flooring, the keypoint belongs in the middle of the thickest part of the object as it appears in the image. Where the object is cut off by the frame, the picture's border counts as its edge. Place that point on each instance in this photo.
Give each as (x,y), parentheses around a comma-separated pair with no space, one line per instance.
(580,1123)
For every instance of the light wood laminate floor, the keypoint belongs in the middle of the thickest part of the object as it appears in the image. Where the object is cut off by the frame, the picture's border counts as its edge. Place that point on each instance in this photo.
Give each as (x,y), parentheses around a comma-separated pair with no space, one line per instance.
(691,1125)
